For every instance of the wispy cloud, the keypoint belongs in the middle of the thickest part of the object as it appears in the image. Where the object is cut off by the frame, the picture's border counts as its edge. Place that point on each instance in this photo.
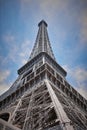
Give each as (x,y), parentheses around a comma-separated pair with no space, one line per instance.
(11,48)
(47,9)
(8,38)
(3,75)
(17,52)
(83,30)
(17,55)
(4,85)
(25,51)
(63,13)
(79,76)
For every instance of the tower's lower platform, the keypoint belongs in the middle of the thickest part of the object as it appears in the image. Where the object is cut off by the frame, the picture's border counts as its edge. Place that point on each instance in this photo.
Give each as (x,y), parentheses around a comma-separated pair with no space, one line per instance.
(43,107)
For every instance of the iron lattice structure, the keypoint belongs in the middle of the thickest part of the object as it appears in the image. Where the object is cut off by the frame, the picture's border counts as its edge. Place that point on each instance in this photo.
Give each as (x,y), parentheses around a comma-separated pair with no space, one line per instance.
(41,98)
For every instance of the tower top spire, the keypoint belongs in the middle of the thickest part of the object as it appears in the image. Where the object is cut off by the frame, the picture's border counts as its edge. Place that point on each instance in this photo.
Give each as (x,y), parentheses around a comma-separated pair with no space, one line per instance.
(42,22)
(42,43)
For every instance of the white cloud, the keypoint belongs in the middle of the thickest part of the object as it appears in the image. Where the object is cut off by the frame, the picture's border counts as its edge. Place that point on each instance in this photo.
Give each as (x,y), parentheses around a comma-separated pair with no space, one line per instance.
(11,48)
(24,52)
(8,38)
(3,84)
(78,77)
(17,52)
(45,9)
(83,91)
(4,87)
(24,61)
(67,68)
(61,13)
(83,31)
(4,75)
(80,74)
(49,8)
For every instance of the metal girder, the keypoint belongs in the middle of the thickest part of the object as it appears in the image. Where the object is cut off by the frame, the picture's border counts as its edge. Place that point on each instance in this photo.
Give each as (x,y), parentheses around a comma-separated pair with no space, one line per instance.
(59,109)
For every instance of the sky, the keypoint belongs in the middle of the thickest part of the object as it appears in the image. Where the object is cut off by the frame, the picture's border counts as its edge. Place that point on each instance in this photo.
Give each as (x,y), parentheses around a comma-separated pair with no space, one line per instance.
(67,30)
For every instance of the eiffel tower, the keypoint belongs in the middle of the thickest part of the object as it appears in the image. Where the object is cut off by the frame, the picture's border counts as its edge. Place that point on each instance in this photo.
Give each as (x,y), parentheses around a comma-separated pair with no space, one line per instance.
(41,98)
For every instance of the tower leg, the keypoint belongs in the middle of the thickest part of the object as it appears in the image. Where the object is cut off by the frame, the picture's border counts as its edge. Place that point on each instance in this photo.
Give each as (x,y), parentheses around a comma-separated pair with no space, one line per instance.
(64,120)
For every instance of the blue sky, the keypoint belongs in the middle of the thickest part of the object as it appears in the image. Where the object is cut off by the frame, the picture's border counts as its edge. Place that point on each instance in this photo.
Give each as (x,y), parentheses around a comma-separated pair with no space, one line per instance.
(67,29)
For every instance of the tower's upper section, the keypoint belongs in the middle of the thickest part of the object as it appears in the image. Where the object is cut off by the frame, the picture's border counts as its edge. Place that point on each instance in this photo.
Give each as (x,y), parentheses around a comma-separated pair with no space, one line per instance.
(42,43)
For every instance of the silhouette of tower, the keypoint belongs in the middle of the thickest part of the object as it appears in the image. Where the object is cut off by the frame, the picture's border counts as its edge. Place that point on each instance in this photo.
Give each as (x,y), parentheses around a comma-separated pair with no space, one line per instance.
(41,98)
